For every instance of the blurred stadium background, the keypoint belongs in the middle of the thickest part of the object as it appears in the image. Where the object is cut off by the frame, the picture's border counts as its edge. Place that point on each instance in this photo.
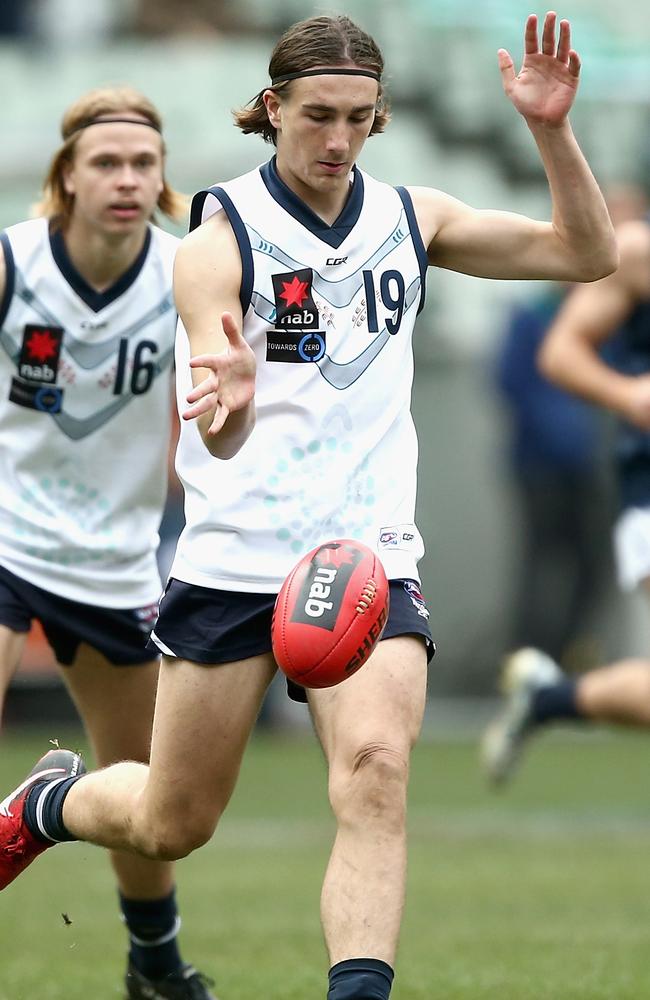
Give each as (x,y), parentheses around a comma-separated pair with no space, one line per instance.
(452,129)
(540,893)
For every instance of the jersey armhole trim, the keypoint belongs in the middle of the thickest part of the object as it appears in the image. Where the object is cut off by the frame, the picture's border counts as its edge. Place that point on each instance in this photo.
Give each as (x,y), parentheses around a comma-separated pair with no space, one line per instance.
(238,228)
(418,243)
(10,282)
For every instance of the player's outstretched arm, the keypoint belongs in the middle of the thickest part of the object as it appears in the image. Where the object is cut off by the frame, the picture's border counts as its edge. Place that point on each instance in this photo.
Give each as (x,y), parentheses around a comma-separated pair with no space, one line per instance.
(207,277)
(592,314)
(579,243)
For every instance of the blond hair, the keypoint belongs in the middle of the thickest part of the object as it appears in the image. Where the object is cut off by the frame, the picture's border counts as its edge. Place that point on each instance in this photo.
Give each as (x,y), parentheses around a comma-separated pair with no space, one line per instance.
(317,41)
(56,203)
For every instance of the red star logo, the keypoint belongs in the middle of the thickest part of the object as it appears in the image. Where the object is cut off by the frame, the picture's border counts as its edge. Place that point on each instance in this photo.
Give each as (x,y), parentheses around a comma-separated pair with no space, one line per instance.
(338,556)
(42,346)
(295,292)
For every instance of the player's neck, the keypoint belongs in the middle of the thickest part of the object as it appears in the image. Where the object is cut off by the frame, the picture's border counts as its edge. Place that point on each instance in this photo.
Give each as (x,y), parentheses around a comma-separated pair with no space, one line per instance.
(101,258)
(327,203)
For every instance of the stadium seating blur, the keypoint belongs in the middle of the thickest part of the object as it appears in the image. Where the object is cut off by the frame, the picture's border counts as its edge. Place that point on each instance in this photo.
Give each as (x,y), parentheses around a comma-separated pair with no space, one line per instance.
(453,128)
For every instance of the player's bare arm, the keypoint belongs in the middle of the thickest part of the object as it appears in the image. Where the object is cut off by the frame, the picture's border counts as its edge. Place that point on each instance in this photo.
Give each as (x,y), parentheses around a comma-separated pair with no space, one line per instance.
(579,243)
(592,314)
(207,278)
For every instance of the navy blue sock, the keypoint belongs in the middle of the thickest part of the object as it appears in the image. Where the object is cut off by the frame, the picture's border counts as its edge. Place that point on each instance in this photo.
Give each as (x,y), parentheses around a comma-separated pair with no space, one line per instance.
(360,979)
(153,926)
(555,701)
(43,813)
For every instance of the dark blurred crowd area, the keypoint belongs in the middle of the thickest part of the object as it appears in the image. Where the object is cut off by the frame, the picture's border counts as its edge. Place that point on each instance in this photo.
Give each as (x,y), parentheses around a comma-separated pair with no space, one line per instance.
(39,20)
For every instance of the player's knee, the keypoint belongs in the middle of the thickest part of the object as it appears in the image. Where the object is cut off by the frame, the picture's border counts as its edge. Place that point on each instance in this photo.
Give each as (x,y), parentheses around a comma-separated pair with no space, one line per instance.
(172,840)
(372,787)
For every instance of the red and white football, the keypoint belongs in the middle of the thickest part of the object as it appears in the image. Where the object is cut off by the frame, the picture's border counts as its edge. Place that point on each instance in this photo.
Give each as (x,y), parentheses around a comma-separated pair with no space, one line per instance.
(330,613)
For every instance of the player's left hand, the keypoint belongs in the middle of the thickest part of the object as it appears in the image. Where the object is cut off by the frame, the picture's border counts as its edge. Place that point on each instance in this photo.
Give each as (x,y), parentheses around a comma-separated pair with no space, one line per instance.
(546,85)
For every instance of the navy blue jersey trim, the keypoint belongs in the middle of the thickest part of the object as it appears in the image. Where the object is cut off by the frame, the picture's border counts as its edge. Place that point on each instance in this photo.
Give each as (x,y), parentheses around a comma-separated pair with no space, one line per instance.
(10,280)
(418,242)
(239,229)
(333,235)
(196,209)
(96,300)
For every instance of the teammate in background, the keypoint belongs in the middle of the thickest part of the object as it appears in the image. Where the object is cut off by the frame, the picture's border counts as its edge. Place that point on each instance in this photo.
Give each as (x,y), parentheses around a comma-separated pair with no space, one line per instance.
(298,291)
(537,691)
(88,321)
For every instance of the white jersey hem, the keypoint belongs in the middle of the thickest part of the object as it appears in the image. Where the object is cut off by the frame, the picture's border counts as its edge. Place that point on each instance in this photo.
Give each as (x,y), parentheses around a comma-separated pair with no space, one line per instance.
(90,591)
(399,566)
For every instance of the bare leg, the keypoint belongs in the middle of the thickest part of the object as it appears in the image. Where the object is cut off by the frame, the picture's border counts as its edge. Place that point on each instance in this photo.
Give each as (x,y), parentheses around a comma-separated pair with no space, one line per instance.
(367,727)
(202,721)
(11,649)
(618,693)
(117,707)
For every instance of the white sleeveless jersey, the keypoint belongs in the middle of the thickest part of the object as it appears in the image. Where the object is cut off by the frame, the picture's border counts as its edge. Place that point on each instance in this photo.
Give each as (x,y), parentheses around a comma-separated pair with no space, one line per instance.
(329,312)
(84,419)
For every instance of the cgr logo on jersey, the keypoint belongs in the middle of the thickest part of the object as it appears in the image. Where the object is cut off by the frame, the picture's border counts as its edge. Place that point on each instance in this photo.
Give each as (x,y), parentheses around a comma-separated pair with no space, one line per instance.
(296,338)
(397,536)
(38,364)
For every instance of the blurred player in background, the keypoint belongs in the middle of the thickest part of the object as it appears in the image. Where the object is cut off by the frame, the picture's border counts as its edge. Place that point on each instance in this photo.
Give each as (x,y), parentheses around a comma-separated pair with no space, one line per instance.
(88,321)
(299,290)
(537,691)
(555,451)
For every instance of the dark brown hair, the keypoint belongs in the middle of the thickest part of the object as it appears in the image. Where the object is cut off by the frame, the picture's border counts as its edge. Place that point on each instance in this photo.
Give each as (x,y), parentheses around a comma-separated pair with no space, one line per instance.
(56,204)
(318,41)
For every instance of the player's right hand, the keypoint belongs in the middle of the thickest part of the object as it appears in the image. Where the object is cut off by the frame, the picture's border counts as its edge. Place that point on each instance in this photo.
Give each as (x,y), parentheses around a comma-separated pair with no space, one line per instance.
(230,383)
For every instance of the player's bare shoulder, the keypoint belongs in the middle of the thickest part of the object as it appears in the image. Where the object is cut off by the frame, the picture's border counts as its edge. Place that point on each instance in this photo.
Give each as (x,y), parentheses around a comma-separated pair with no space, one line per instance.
(208,252)
(432,209)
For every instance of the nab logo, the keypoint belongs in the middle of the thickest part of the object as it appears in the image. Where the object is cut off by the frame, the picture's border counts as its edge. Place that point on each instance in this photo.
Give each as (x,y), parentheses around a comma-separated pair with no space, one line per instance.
(303,320)
(324,586)
(333,261)
(39,353)
(296,337)
(294,304)
(319,591)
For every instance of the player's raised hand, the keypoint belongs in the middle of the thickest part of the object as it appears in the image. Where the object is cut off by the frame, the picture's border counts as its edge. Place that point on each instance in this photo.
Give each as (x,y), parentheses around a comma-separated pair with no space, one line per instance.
(545,87)
(230,383)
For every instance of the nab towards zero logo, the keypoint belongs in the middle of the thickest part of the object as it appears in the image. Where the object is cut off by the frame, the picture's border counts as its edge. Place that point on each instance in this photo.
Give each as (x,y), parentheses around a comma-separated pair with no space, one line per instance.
(296,338)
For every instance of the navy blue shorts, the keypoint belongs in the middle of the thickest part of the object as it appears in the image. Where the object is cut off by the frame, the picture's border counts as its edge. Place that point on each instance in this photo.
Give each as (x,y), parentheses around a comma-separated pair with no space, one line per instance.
(120,635)
(220,626)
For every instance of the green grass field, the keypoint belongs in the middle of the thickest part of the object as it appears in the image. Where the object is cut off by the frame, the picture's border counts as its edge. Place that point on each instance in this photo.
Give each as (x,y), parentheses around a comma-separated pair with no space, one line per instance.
(540,892)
